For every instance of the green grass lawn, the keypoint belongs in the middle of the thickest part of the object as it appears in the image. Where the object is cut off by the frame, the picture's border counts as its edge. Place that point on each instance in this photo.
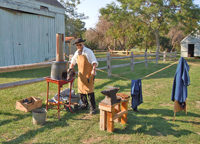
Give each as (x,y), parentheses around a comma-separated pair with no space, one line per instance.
(153,124)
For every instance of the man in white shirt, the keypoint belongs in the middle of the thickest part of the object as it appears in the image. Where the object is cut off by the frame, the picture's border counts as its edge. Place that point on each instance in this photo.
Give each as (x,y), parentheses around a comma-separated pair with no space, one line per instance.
(87,64)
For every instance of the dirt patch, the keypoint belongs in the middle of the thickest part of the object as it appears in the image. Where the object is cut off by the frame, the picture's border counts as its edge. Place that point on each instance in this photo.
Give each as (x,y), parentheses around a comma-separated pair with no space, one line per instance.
(167,118)
(124,137)
(148,93)
(86,116)
(167,104)
(50,93)
(198,104)
(92,140)
(98,80)
(159,86)
(7,139)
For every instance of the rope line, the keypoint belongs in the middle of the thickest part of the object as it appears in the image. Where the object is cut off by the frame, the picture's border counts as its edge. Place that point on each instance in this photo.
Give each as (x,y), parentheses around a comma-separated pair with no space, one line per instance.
(159,70)
(144,76)
(112,74)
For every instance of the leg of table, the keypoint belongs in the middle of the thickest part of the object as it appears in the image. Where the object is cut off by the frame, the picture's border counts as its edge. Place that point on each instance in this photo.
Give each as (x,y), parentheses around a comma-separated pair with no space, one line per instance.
(102,119)
(58,108)
(117,109)
(70,94)
(47,95)
(124,106)
(110,124)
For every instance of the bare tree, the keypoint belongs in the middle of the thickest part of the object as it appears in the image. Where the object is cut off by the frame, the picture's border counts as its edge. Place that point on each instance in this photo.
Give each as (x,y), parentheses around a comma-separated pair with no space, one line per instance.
(176,36)
(100,34)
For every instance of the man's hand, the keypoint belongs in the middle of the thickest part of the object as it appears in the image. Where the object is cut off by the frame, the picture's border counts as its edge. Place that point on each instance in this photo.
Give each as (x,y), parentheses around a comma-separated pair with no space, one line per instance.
(93,72)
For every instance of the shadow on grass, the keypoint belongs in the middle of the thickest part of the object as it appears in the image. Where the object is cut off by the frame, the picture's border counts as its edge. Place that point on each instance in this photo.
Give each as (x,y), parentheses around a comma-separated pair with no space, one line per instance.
(165,112)
(47,126)
(17,117)
(144,123)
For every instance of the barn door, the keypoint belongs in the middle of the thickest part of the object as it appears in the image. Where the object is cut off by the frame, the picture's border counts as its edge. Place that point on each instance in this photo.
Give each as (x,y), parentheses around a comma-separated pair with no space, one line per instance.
(190,50)
(25,37)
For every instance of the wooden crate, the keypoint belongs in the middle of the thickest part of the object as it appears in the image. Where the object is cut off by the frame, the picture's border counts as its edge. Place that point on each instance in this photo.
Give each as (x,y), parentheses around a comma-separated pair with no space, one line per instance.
(35,103)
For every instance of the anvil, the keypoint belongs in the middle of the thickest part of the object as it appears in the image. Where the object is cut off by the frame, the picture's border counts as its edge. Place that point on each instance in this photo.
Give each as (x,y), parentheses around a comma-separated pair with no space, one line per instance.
(110,96)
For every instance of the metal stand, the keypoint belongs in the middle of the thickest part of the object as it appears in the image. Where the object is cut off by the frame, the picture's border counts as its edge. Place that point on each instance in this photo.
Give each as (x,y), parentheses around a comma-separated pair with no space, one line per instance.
(60,83)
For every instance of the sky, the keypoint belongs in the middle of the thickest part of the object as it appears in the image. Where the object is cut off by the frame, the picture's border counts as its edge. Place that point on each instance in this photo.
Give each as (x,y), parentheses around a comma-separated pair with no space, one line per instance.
(91,9)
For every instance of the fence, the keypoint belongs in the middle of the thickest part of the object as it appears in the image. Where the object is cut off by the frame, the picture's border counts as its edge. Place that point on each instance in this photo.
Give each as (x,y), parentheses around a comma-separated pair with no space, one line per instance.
(132,63)
(108,67)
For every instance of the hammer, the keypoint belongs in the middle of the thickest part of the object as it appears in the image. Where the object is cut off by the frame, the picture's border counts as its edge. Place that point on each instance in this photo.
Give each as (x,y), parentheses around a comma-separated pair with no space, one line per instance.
(88,79)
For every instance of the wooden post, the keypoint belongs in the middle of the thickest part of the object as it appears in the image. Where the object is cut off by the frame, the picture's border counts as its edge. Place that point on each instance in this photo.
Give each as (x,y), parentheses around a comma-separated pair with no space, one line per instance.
(164,56)
(126,52)
(175,55)
(145,56)
(124,107)
(110,124)
(132,62)
(70,57)
(68,66)
(103,118)
(59,47)
(170,56)
(117,109)
(150,53)
(156,57)
(109,64)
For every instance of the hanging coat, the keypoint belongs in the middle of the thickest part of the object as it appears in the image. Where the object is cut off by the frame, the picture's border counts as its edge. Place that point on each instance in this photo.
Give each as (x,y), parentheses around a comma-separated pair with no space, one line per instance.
(136,93)
(179,89)
(181,81)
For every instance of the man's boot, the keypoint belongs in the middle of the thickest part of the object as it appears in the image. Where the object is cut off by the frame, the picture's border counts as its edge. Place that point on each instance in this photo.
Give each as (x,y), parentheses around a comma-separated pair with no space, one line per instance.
(92,103)
(84,104)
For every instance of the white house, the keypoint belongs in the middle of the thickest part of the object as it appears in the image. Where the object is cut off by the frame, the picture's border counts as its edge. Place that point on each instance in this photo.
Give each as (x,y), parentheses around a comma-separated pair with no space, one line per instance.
(28,30)
(190,45)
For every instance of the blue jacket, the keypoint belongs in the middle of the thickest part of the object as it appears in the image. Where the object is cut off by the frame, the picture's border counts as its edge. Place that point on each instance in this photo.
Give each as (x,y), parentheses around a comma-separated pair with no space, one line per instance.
(136,93)
(181,81)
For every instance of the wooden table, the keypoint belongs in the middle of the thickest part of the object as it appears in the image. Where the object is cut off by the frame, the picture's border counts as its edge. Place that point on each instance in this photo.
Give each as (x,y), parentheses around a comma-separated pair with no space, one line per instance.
(60,83)
(112,113)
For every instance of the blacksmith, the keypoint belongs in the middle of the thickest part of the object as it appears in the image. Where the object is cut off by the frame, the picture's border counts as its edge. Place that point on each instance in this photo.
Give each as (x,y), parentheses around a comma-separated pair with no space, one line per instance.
(87,64)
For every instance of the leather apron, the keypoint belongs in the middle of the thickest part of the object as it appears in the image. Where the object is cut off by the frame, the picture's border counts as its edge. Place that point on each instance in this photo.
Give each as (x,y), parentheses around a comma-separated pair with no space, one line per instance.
(84,73)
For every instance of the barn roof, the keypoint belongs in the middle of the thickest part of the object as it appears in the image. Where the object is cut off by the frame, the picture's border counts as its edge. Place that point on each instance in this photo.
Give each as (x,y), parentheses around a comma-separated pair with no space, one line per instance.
(52,2)
(190,36)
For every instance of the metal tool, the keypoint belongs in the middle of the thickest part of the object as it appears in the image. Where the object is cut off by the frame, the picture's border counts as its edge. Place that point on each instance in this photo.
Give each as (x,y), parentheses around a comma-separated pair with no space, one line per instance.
(88,79)
(110,96)
(71,73)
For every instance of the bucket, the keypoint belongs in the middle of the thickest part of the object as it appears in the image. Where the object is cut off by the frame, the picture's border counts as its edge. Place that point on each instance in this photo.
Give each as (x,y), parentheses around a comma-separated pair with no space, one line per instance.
(39,116)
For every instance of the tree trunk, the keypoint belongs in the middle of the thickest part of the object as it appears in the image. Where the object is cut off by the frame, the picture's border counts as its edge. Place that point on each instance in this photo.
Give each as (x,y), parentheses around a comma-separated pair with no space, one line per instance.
(109,47)
(157,44)
(120,44)
(124,43)
(122,47)
(114,44)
